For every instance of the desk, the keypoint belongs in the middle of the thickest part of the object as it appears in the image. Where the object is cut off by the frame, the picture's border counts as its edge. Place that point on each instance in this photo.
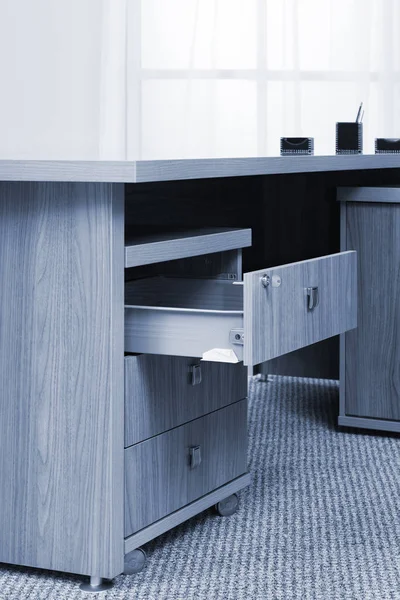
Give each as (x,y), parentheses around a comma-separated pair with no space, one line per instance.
(64,270)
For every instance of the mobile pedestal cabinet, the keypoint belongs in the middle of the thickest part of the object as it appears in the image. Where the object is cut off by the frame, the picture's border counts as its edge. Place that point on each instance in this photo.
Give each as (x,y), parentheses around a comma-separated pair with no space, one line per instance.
(100,412)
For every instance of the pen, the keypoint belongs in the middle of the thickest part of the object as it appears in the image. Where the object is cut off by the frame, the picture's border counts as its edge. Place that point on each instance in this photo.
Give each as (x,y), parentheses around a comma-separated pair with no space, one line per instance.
(359,114)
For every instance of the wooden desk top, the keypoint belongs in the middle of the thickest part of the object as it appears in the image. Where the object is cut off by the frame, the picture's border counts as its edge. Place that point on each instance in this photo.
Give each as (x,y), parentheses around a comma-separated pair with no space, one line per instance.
(169,170)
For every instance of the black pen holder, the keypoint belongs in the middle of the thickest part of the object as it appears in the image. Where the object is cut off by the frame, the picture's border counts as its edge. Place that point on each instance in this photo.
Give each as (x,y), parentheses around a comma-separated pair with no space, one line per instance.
(349,138)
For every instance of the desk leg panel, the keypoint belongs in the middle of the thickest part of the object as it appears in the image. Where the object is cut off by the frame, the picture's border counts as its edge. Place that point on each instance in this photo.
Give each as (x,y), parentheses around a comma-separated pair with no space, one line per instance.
(61,376)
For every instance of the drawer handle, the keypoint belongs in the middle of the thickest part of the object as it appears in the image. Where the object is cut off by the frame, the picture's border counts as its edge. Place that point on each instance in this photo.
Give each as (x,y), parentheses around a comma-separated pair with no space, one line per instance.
(195,374)
(195,456)
(312,297)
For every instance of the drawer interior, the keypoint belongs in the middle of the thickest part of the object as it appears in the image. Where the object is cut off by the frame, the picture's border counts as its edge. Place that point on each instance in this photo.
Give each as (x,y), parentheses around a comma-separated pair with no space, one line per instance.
(188,294)
(184,317)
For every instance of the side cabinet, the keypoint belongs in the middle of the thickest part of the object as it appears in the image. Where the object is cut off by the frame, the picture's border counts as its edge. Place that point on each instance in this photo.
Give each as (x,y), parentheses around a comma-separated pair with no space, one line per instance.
(370,354)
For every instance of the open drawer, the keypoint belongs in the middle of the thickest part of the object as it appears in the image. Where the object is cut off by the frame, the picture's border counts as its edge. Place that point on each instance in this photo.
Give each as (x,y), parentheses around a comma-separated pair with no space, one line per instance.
(272,312)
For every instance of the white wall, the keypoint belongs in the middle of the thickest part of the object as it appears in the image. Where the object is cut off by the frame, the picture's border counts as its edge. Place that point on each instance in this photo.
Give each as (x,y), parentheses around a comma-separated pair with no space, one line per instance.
(59,62)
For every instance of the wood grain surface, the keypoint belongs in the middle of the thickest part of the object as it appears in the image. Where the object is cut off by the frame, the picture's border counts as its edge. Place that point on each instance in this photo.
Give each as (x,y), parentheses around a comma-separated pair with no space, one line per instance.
(159,394)
(163,246)
(277,320)
(176,169)
(166,170)
(158,476)
(61,376)
(186,512)
(373,349)
(378,194)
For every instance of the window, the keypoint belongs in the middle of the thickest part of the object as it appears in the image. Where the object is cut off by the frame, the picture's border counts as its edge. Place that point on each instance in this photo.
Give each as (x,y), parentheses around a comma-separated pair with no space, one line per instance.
(230,77)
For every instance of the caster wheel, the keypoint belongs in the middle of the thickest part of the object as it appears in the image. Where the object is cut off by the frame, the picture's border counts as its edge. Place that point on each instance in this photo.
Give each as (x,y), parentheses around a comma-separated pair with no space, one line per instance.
(135,561)
(228,506)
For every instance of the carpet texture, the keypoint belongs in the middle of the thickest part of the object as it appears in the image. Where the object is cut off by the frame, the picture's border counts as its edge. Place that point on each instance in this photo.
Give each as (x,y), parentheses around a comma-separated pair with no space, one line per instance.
(320,520)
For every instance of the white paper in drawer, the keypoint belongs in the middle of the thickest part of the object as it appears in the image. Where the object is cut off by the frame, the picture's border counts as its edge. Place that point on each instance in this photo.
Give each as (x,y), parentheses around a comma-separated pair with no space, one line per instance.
(220,355)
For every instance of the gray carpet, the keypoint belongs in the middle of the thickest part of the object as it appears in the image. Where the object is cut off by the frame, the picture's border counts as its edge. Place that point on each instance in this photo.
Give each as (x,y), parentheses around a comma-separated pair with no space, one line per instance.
(320,520)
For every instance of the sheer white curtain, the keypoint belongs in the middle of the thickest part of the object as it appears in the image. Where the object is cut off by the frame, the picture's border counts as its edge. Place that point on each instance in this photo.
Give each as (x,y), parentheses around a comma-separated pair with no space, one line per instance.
(230,77)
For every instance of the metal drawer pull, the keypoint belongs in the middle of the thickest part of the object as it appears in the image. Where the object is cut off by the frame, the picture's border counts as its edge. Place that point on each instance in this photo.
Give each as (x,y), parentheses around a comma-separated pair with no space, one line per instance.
(312,297)
(195,456)
(195,374)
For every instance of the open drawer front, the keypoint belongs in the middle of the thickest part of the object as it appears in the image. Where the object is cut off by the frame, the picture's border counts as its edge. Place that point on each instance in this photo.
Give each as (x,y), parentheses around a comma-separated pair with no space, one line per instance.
(272,312)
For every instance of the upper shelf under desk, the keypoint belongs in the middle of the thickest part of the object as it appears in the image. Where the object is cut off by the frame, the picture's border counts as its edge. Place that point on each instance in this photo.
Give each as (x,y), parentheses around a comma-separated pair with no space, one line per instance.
(163,246)
(138,171)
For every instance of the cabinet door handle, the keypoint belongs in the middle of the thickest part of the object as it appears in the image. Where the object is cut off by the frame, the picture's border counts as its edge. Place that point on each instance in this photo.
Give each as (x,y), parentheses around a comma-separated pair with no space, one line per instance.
(195,374)
(312,297)
(195,456)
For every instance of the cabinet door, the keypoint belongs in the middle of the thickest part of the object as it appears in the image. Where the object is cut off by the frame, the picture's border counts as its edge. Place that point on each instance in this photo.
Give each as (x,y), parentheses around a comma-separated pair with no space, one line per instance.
(372,371)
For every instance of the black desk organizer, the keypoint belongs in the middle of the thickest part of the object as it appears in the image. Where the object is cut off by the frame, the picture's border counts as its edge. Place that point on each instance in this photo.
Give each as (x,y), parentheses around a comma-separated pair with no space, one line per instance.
(349,138)
(300,145)
(387,146)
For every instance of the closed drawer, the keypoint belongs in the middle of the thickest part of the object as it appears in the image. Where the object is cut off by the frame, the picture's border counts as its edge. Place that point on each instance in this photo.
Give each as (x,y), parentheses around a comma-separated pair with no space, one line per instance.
(272,312)
(161,476)
(162,392)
